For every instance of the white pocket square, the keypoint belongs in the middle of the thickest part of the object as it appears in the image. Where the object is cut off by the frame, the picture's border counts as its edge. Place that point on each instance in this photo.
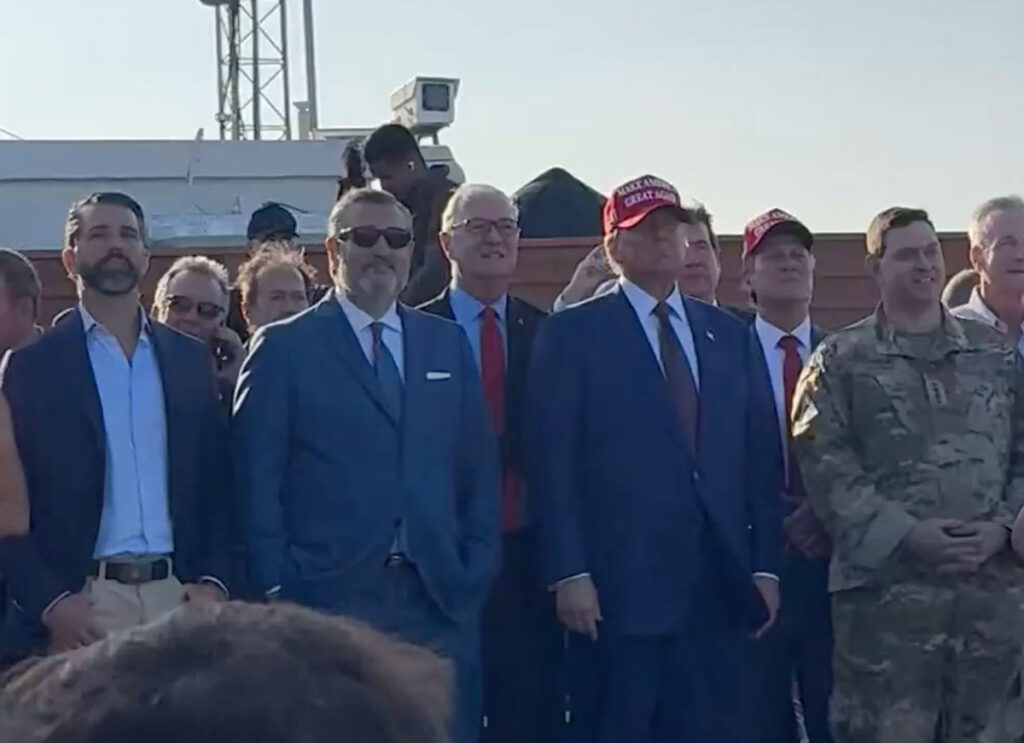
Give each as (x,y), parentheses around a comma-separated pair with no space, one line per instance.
(434,375)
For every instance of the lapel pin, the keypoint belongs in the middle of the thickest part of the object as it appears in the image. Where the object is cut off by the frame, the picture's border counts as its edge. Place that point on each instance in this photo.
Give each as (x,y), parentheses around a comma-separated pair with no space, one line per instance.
(711,336)
(519,321)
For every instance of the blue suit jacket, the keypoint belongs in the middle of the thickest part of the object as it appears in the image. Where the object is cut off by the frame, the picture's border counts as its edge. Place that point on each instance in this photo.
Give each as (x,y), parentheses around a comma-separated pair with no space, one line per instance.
(58,424)
(611,471)
(323,470)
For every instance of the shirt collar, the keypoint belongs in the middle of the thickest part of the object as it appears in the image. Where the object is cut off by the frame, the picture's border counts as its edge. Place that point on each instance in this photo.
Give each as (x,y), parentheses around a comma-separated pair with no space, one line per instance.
(89,322)
(467,307)
(984,312)
(770,335)
(644,304)
(360,320)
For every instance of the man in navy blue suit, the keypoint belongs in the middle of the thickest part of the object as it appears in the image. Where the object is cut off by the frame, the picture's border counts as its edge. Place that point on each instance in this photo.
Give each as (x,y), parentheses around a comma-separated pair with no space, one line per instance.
(366,465)
(124,449)
(779,268)
(649,447)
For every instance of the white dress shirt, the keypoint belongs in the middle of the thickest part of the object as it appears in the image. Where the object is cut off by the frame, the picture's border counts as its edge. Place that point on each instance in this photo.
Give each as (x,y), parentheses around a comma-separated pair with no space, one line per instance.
(391,336)
(643,304)
(977,310)
(769,335)
(136,518)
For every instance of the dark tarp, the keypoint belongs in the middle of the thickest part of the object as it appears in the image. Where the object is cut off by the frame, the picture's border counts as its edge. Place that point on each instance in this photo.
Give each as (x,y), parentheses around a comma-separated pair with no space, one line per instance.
(555,204)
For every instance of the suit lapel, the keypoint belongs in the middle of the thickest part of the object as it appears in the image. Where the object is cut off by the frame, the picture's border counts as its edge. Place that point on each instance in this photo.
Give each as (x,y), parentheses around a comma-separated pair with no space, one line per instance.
(712,373)
(639,355)
(80,370)
(416,348)
(176,392)
(443,305)
(342,339)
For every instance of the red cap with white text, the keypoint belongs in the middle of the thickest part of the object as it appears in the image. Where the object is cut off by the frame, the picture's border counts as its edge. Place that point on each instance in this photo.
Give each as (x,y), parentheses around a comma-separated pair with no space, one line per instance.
(629,204)
(759,227)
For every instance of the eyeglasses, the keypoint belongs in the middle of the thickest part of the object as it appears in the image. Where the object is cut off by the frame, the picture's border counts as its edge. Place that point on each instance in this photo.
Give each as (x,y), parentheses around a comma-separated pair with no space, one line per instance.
(482,227)
(367,237)
(180,305)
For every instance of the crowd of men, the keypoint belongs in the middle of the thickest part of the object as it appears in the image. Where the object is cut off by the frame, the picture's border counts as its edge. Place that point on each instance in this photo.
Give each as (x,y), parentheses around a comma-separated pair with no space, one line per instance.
(645,517)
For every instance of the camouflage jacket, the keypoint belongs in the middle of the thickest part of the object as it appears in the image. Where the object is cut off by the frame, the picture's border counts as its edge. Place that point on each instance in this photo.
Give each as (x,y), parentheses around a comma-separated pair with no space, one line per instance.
(891,428)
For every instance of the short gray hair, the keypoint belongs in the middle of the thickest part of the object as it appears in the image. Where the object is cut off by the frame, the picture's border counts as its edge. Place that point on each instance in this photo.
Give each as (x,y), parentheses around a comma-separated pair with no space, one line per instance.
(983,212)
(197,264)
(336,221)
(464,193)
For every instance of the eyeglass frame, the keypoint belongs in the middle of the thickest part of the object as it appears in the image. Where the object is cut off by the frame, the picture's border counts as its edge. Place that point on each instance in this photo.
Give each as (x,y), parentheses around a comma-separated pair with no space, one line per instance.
(492,224)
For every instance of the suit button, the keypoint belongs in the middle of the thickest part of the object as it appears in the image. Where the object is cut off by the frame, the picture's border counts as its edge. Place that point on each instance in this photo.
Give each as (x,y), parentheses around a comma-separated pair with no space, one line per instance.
(696,476)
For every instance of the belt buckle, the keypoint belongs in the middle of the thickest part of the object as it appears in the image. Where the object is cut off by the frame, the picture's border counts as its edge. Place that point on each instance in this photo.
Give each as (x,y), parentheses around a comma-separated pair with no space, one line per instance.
(137,574)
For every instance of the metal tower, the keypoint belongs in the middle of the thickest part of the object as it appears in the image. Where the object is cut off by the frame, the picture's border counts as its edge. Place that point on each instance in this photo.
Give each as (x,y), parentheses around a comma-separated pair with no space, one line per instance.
(253,91)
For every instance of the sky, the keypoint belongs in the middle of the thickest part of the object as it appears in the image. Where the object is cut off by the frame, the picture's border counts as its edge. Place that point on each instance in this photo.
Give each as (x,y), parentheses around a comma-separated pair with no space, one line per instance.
(831,109)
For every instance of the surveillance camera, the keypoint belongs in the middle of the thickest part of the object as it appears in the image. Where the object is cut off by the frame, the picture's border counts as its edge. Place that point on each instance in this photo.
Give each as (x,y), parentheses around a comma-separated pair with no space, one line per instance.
(426,104)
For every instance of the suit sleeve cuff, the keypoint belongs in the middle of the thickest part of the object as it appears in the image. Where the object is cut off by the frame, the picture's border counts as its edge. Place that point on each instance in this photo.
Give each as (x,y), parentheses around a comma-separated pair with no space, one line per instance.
(53,603)
(569,579)
(769,576)
(216,582)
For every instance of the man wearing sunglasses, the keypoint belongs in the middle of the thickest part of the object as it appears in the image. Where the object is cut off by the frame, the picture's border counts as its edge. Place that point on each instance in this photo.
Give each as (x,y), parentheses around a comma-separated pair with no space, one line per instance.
(522,640)
(118,426)
(364,460)
(192,296)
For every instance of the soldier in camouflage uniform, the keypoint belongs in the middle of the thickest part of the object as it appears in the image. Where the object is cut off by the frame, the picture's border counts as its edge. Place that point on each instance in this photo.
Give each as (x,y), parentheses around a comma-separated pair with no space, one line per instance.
(908,427)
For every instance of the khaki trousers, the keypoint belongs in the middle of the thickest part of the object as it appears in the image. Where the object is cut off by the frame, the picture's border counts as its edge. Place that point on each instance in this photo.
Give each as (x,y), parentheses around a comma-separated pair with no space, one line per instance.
(119,606)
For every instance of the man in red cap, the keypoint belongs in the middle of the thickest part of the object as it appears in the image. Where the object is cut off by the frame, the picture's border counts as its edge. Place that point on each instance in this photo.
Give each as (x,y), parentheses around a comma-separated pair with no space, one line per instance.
(778,266)
(649,457)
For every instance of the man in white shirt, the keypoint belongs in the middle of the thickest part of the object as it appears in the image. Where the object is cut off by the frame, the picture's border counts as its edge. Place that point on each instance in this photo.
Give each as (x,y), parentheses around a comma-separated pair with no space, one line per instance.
(996,237)
(650,467)
(116,420)
(778,266)
(364,459)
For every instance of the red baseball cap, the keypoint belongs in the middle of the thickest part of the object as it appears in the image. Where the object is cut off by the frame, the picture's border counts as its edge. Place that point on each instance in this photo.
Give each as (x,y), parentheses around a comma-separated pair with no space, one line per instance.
(629,204)
(759,227)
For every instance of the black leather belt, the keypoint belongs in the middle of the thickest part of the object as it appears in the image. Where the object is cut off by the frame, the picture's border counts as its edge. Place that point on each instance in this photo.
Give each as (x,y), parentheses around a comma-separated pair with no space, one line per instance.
(132,573)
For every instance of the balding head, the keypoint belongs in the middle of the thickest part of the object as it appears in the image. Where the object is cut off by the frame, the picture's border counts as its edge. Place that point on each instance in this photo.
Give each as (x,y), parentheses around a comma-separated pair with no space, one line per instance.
(480,235)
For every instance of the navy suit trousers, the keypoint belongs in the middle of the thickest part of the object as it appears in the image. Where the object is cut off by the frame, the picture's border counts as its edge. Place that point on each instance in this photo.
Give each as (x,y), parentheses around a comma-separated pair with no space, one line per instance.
(795,659)
(395,601)
(692,685)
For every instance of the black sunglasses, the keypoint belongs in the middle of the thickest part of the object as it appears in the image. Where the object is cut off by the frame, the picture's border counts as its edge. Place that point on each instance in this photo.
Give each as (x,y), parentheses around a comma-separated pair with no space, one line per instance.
(183,305)
(367,237)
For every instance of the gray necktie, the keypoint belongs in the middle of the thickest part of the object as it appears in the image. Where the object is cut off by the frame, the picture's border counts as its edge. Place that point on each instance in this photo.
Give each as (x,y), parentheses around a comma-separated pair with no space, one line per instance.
(387,371)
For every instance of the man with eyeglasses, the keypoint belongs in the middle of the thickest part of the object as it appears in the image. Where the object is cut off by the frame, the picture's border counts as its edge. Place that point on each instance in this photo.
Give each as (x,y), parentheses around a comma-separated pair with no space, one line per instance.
(364,460)
(522,642)
(121,438)
(192,296)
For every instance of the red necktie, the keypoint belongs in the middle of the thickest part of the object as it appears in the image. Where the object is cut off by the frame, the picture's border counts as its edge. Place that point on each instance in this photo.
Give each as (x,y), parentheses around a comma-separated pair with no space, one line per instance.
(492,372)
(792,365)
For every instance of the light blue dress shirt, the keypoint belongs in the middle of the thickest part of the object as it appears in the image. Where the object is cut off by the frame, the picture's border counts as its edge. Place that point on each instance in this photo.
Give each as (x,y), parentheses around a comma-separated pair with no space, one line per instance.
(390,337)
(468,312)
(136,516)
(644,304)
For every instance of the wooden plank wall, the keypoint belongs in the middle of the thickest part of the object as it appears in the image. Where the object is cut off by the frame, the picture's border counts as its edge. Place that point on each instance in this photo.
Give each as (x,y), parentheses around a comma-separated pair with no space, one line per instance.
(844,291)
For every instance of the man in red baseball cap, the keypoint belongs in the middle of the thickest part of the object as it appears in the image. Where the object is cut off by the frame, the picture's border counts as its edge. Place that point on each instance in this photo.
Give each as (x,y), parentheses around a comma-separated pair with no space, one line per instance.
(778,266)
(700,270)
(660,542)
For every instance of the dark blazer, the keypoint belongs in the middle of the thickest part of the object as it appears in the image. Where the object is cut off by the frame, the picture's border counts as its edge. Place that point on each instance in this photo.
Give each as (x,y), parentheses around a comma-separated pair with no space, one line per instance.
(521,325)
(58,424)
(323,470)
(612,474)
